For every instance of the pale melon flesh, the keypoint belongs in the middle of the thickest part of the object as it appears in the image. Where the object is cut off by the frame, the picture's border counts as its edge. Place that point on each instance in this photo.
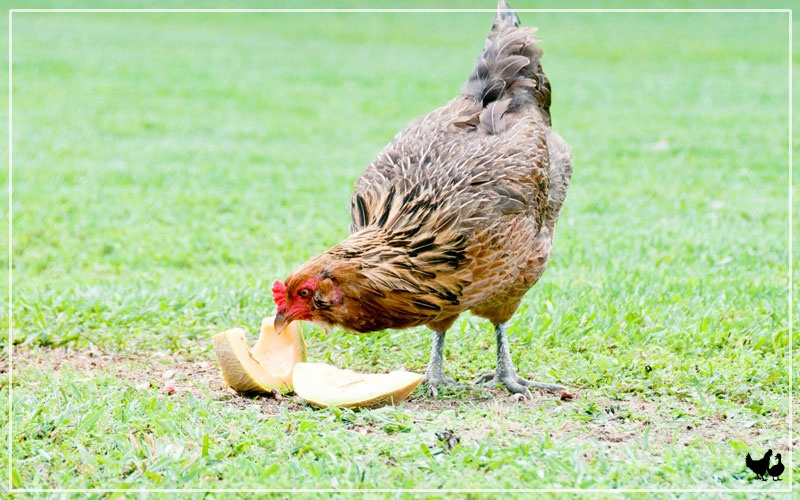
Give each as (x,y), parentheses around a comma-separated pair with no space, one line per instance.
(324,385)
(268,366)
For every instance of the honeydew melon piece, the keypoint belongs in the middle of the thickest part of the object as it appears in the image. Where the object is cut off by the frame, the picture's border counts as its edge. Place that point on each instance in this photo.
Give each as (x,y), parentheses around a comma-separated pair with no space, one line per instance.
(268,366)
(324,385)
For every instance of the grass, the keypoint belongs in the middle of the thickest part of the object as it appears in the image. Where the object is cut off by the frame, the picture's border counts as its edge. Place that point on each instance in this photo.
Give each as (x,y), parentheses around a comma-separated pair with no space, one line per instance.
(168,167)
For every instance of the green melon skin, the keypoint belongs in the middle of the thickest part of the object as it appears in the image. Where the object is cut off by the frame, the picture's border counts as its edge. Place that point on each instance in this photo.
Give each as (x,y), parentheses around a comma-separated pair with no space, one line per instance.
(266,367)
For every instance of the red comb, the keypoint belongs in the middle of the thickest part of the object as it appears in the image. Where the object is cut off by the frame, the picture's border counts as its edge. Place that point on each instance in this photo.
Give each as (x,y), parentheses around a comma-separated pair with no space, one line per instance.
(279,294)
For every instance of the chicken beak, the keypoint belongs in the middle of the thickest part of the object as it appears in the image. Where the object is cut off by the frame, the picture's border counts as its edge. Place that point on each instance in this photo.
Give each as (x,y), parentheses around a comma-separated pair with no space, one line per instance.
(281,322)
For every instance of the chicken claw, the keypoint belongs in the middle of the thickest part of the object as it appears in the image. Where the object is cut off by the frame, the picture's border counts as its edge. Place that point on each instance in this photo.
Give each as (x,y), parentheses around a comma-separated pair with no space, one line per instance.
(516,384)
(505,373)
(433,381)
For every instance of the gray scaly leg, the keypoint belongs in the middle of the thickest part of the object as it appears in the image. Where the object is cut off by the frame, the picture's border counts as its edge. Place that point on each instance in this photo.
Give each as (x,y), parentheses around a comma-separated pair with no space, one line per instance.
(506,374)
(434,376)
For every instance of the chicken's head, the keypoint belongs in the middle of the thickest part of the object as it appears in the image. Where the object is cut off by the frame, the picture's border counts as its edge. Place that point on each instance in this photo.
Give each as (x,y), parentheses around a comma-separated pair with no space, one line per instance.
(305,297)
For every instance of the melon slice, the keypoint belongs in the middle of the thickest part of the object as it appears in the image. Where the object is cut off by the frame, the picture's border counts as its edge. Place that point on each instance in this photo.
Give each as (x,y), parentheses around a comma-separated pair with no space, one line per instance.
(324,385)
(268,366)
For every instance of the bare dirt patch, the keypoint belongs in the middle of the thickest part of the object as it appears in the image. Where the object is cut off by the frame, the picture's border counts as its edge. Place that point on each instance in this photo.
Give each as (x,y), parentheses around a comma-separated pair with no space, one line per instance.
(172,374)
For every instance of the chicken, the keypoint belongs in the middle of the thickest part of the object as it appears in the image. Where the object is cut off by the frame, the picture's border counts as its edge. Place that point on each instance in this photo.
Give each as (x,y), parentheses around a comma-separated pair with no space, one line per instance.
(759,467)
(457,213)
(776,470)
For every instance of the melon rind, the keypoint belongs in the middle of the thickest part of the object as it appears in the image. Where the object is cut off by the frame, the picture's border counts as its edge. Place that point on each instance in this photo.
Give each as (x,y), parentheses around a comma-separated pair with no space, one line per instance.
(268,366)
(324,385)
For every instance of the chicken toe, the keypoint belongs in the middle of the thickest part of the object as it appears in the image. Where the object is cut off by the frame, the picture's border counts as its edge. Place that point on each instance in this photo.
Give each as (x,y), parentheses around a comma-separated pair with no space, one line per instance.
(513,383)
(516,384)
(433,381)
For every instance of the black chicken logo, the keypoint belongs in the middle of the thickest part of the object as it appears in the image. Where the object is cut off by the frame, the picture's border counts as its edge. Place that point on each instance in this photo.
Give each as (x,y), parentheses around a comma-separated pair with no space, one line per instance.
(761,467)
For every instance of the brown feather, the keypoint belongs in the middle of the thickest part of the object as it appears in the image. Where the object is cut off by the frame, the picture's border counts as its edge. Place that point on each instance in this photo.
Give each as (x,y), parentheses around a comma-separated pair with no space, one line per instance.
(491,119)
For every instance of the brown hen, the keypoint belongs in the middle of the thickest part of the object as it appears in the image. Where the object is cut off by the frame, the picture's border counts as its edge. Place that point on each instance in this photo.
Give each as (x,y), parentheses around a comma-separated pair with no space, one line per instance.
(457,213)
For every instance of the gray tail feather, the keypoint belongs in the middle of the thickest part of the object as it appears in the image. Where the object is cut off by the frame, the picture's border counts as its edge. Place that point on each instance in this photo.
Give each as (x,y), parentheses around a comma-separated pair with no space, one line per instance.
(509,67)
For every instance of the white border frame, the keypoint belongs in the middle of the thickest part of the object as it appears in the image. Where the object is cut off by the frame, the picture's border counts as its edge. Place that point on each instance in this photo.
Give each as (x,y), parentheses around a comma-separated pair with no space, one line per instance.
(10,345)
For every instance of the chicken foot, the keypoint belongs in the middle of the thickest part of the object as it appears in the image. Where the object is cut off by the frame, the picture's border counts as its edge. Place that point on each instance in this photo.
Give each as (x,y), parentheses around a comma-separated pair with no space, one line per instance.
(434,375)
(505,373)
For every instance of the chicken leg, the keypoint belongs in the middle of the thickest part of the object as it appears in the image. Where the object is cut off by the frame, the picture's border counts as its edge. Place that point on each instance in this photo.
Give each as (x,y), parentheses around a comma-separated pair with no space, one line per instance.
(434,375)
(506,374)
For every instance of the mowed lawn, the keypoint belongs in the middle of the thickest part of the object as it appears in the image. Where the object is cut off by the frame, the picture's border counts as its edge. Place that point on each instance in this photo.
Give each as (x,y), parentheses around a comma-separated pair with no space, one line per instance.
(167,167)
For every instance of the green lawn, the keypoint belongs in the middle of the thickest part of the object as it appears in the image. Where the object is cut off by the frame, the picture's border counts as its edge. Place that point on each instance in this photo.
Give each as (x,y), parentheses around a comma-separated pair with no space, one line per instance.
(167,167)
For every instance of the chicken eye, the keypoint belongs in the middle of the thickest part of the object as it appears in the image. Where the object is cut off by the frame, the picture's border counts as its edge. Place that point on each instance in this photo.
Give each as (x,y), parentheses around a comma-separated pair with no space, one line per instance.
(304,292)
